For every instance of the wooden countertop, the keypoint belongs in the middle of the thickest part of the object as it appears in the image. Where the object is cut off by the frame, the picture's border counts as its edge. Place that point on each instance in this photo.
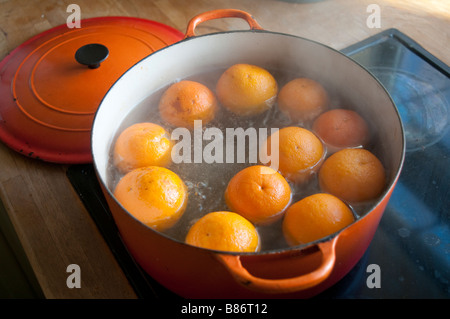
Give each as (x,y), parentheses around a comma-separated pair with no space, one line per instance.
(50,220)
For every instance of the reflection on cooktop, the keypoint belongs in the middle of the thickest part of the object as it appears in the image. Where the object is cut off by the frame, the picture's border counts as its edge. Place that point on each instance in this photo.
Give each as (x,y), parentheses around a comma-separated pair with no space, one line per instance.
(415,225)
(418,85)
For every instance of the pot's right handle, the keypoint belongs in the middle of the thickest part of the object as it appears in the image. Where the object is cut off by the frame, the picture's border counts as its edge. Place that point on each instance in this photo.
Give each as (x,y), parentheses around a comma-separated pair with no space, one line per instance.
(219,14)
(302,282)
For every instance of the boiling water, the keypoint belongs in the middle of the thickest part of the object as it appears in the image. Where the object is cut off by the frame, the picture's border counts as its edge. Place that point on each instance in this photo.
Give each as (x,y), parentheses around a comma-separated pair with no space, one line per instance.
(206,183)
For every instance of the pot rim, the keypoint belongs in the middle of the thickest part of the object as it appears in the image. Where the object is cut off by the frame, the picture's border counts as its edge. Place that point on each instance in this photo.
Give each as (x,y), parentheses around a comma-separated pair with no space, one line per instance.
(300,247)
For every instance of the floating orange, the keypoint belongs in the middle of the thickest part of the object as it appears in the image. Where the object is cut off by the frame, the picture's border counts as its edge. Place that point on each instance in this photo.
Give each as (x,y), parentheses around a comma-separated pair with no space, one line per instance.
(187,101)
(225,231)
(154,195)
(315,217)
(303,99)
(142,144)
(342,128)
(247,90)
(258,193)
(300,153)
(353,174)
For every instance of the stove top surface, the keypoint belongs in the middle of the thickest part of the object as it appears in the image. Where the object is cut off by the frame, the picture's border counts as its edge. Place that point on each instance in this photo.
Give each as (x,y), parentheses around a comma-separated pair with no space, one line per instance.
(411,245)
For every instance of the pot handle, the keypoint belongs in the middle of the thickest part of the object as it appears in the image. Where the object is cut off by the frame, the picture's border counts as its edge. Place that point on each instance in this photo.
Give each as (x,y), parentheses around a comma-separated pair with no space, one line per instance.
(219,14)
(242,276)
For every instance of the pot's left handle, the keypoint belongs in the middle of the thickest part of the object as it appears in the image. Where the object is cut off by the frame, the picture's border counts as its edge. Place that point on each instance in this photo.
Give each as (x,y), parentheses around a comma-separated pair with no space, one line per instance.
(219,14)
(285,285)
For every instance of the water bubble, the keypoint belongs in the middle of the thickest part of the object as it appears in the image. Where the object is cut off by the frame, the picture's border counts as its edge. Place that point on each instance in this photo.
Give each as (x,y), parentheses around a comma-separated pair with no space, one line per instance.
(403,232)
(447,249)
(431,239)
(438,275)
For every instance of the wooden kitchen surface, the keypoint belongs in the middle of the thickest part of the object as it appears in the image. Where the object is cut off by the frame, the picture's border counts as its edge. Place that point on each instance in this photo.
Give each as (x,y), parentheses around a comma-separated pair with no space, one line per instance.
(50,220)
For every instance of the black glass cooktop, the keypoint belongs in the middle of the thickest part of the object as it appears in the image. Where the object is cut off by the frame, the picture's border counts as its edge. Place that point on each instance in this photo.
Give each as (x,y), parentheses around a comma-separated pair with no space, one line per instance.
(412,243)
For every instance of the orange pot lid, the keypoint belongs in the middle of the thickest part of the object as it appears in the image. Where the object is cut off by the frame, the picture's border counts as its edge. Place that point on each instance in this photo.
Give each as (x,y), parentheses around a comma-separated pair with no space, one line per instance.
(52,85)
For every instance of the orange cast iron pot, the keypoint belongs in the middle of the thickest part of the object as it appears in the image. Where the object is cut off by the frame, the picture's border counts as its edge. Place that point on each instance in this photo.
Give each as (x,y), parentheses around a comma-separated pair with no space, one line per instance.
(295,272)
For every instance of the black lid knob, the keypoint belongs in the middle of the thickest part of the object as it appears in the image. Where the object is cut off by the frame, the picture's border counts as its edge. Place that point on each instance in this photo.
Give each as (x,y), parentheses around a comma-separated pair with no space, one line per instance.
(92,55)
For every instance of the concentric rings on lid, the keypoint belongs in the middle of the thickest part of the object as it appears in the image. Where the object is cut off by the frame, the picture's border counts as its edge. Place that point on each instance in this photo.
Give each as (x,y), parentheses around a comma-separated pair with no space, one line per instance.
(49,99)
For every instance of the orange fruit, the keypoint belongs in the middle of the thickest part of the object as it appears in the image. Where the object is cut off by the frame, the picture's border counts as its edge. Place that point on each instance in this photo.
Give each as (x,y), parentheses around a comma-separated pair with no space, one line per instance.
(300,153)
(353,174)
(341,128)
(303,99)
(258,193)
(225,231)
(315,217)
(154,195)
(142,144)
(246,89)
(186,101)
